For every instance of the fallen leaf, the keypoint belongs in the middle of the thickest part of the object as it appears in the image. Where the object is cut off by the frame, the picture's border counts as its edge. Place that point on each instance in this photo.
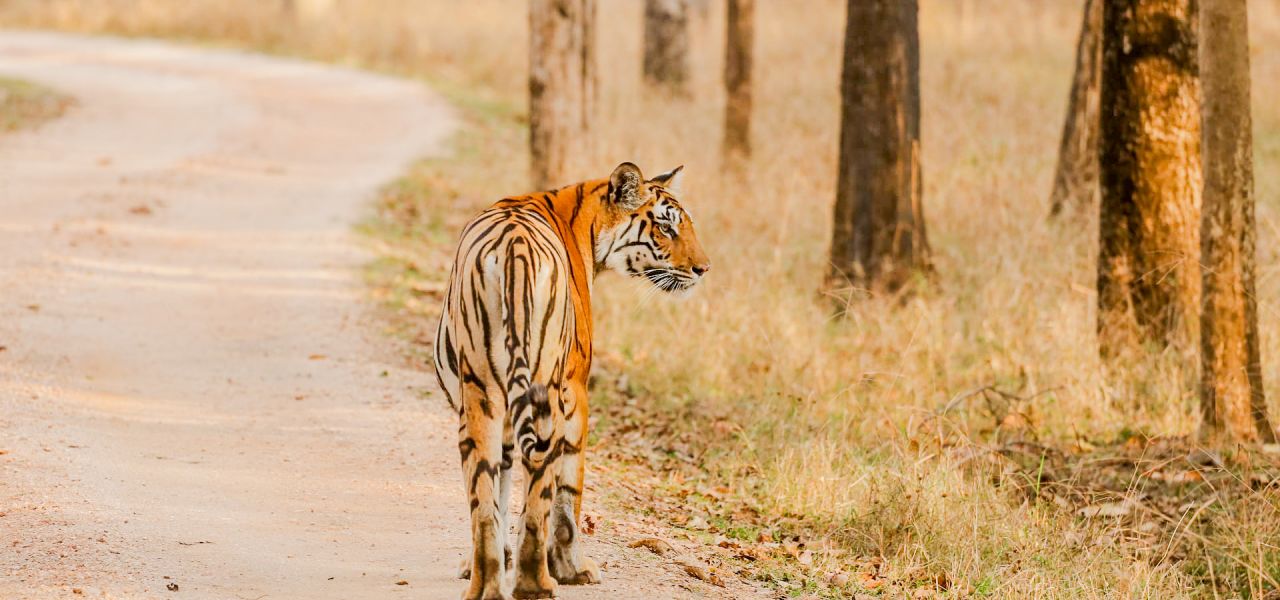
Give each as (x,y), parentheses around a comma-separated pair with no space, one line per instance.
(654,545)
(172,587)
(402,582)
(316,357)
(1109,509)
(696,568)
(141,209)
(868,581)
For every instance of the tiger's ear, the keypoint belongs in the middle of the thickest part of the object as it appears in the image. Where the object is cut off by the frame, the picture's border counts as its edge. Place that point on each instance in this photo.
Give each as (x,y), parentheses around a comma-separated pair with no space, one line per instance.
(626,189)
(670,180)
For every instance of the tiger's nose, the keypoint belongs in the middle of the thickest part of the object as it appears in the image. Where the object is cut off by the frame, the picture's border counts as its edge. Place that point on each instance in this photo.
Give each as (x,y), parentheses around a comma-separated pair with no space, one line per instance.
(701,269)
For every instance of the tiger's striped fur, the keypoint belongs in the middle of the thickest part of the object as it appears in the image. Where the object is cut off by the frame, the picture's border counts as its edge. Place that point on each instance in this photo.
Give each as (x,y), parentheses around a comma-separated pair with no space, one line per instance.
(513,352)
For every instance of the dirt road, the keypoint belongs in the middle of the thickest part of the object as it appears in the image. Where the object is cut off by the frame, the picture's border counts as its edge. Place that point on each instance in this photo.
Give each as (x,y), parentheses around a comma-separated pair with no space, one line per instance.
(194,399)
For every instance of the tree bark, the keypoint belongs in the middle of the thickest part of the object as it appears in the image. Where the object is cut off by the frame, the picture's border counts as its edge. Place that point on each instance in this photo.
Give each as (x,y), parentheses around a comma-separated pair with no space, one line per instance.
(1148,260)
(666,44)
(878,239)
(562,88)
(1075,181)
(1231,393)
(738,52)
(308,10)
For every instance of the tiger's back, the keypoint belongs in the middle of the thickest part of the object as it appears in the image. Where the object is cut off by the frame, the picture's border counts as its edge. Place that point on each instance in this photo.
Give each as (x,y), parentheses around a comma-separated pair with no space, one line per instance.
(509,289)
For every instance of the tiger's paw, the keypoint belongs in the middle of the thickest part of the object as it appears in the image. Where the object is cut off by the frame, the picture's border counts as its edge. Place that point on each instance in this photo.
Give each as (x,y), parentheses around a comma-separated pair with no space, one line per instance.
(489,596)
(531,587)
(464,569)
(584,573)
(480,592)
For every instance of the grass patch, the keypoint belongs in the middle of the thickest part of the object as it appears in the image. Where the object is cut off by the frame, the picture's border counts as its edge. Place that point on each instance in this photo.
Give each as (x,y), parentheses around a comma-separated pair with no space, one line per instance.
(25,105)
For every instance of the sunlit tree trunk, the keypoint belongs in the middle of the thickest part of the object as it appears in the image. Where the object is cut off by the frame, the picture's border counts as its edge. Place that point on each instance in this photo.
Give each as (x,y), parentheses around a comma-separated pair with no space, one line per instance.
(1075,181)
(308,10)
(878,239)
(1148,260)
(1231,392)
(666,44)
(562,88)
(739,42)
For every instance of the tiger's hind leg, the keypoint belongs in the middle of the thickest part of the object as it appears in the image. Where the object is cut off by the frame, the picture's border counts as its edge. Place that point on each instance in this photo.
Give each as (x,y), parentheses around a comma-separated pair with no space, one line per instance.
(568,564)
(533,578)
(480,443)
(504,504)
(504,494)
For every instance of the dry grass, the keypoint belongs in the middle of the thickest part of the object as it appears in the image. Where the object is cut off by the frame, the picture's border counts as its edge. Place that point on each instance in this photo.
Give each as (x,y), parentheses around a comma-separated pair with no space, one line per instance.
(24,105)
(827,427)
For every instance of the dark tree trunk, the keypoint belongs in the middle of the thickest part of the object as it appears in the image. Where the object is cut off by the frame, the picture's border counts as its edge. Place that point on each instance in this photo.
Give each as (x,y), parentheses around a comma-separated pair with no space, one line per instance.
(878,238)
(666,44)
(1148,260)
(1075,181)
(562,88)
(1231,392)
(739,42)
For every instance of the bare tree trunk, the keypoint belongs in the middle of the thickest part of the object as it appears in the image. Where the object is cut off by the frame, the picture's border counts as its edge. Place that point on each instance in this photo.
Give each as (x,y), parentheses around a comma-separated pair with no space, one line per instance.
(1148,260)
(739,42)
(1075,181)
(878,239)
(666,44)
(308,10)
(1231,393)
(562,88)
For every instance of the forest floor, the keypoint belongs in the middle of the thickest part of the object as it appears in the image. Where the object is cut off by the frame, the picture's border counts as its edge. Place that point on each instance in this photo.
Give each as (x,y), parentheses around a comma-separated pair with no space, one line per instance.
(672,471)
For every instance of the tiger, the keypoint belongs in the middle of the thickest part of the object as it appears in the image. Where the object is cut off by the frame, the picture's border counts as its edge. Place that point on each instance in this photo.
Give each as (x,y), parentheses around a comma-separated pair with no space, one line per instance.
(513,352)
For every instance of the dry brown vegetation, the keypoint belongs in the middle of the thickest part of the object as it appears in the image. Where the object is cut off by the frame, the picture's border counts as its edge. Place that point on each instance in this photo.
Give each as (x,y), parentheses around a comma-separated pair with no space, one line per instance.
(966,441)
(24,104)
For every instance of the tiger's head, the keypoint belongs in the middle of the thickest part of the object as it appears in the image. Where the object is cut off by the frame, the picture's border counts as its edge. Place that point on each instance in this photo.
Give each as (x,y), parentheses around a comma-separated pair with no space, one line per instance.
(646,233)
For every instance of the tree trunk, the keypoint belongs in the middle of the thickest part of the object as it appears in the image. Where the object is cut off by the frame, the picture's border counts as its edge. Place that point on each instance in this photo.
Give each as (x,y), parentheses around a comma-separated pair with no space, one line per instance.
(1231,392)
(308,10)
(1148,260)
(878,239)
(562,88)
(1075,181)
(739,41)
(666,44)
